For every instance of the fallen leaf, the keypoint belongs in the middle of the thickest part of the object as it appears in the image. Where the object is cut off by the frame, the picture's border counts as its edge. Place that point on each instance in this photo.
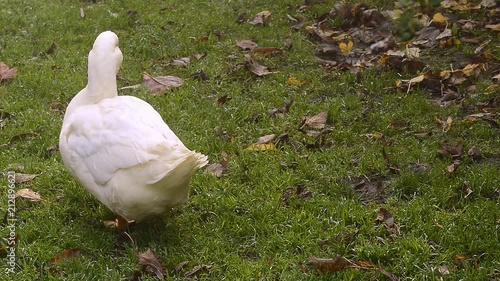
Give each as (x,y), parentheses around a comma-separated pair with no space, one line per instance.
(158,85)
(389,163)
(370,188)
(451,168)
(151,264)
(495,27)
(266,139)
(453,152)
(181,265)
(6,72)
(299,191)
(255,67)
(246,44)
(475,154)
(21,178)
(294,81)
(443,270)
(67,254)
(317,121)
(385,217)
(197,270)
(274,112)
(222,100)
(261,18)
(336,263)
(268,51)
(297,21)
(445,124)
(51,49)
(439,18)
(217,169)
(181,61)
(242,18)
(82,13)
(346,48)
(261,146)
(22,136)
(28,194)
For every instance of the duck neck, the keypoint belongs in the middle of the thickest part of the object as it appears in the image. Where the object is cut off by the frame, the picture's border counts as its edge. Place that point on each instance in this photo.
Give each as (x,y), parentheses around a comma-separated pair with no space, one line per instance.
(101,82)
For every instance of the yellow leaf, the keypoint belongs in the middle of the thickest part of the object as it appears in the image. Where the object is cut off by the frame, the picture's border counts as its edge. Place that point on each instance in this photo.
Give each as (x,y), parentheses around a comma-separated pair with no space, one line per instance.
(495,27)
(439,18)
(377,135)
(294,81)
(28,194)
(346,48)
(261,147)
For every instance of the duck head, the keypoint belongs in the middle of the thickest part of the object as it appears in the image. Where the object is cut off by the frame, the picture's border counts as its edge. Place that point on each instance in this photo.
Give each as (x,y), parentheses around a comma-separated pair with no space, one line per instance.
(105,60)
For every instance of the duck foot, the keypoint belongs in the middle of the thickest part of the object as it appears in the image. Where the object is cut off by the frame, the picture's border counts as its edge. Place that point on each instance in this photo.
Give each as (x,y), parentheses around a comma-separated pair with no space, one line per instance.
(119,223)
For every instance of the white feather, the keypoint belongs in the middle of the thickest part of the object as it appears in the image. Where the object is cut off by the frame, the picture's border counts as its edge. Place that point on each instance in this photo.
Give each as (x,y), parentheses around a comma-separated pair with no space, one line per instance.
(119,148)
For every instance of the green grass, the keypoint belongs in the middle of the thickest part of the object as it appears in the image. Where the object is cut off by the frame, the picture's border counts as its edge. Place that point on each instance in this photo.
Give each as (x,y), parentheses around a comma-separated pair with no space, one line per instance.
(237,223)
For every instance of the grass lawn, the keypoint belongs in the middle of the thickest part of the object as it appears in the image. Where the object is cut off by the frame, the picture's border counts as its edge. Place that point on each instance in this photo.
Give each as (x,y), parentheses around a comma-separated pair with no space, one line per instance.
(399,181)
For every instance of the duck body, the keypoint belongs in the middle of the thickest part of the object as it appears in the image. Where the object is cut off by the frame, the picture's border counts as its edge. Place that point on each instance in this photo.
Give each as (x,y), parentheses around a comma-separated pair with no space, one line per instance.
(119,148)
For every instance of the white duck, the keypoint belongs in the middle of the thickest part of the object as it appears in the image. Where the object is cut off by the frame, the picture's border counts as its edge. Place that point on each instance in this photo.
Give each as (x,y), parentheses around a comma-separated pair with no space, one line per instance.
(119,148)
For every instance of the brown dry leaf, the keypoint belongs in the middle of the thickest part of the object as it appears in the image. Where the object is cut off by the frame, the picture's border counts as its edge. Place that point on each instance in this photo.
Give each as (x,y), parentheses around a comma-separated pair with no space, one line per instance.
(181,61)
(222,100)
(445,124)
(151,264)
(385,217)
(160,84)
(443,269)
(266,139)
(246,44)
(255,67)
(242,18)
(21,178)
(394,169)
(66,255)
(451,168)
(330,265)
(297,21)
(317,121)
(28,194)
(495,27)
(217,169)
(475,154)
(6,72)
(299,191)
(275,112)
(261,18)
(453,152)
(197,270)
(181,265)
(370,188)
(268,51)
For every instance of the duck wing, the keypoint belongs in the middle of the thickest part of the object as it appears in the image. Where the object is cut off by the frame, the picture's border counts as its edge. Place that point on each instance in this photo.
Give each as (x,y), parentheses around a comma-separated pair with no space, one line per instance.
(118,133)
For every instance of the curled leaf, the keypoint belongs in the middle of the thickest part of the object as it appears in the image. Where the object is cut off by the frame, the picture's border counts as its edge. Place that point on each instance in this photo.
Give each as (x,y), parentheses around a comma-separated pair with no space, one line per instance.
(246,44)
(317,121)
(255,67)
(28,194)
(158,85)
(150,263)
(261,18)
(6,72)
